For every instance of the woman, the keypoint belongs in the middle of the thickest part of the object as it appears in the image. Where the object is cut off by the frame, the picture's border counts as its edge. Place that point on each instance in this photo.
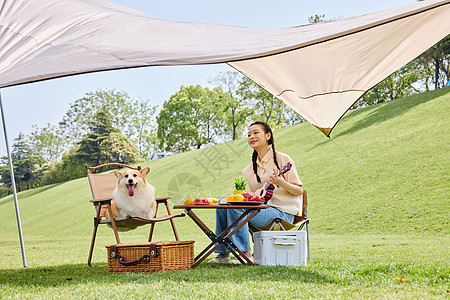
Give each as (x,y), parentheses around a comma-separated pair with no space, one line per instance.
(286,201)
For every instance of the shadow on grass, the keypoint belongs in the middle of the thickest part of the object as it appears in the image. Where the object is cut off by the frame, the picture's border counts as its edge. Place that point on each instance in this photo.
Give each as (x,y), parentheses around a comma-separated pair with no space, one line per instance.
(53,276)
(391,110)
(382,113)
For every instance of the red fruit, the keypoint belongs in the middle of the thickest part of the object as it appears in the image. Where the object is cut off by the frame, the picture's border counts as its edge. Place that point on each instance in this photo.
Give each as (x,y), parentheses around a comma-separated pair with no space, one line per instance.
(259,199)
(247,195)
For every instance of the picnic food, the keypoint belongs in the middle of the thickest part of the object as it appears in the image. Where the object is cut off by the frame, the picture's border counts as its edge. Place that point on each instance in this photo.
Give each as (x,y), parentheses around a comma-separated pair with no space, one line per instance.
(239,185)
(213,200)
(235,197)
(200,201)
(248,197)
(245,197)
(238,197)
(189,201)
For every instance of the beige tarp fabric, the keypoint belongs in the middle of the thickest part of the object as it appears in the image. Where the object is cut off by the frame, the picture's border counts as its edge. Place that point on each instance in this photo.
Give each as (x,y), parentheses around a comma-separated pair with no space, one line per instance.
(322,81)
(319,70)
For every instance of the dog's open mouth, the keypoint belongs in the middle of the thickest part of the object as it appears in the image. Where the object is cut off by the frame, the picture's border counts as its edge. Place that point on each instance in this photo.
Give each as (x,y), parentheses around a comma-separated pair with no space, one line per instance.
(131,188)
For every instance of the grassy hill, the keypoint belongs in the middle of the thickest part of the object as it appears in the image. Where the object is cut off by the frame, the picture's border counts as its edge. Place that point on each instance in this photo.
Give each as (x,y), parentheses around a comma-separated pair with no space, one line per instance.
(404,144)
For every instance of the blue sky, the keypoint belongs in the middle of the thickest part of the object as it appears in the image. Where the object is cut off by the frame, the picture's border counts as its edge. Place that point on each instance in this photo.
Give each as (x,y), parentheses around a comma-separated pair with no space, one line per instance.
(46,102)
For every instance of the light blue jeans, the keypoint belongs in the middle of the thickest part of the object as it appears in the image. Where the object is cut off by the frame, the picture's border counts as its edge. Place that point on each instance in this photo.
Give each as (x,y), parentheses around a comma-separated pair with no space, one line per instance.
(225,217)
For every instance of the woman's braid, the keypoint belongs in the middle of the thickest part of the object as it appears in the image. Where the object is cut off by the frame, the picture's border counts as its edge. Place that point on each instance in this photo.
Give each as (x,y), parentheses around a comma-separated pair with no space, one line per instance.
(255,166)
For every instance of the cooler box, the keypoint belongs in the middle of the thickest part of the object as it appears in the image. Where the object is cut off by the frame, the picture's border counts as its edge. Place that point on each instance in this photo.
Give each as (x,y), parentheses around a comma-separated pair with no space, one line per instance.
(280,248)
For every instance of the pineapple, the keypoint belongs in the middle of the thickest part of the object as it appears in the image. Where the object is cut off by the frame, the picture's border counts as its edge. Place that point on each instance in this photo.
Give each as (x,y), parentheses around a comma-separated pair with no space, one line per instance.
(240,184)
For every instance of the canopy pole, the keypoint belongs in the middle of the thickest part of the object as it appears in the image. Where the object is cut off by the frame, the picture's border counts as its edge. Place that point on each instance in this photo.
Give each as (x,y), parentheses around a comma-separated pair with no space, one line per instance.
(13,184)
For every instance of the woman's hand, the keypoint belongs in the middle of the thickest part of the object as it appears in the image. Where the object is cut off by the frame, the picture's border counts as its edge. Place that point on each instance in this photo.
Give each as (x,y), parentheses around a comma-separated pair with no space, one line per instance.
(281,182)
(275,179)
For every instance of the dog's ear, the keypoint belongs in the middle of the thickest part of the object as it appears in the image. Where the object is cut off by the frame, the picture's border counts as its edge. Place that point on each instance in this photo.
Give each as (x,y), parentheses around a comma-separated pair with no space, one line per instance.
(145,171)
(118,174)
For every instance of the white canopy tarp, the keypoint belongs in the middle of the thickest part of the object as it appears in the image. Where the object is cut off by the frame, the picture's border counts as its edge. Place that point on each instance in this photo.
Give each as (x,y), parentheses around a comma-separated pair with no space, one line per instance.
(319,70)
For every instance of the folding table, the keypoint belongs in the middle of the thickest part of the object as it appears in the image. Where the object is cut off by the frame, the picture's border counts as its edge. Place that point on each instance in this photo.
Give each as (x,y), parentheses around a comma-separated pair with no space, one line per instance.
(250,210)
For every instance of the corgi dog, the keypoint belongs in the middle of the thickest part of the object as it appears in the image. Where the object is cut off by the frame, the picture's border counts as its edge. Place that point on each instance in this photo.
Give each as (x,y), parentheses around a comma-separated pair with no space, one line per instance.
(133,196)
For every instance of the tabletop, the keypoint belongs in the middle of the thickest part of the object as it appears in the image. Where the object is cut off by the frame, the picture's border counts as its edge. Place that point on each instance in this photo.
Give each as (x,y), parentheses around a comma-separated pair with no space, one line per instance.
(222,206)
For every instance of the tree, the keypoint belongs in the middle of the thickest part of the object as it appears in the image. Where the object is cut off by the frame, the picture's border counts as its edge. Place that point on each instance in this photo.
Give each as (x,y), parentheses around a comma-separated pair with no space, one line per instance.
(235,110)
(77,120)
(104,144)
(142,128)
(48,141)
(264,101)
(434,64)
(118,148)
(266,107)
(316,19)
(68,168)
(416,76)
(320,18)
(192,117)
(25,163)
(89,150)
(5,175)
(133,118)
(399,84)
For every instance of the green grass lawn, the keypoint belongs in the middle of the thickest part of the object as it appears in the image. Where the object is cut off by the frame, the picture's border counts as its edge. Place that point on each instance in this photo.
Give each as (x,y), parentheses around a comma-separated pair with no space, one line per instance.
(343,266)
(362,238)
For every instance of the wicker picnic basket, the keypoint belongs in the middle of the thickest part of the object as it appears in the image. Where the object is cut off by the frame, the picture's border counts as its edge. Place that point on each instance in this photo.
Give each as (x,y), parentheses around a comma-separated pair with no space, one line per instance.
(150,257)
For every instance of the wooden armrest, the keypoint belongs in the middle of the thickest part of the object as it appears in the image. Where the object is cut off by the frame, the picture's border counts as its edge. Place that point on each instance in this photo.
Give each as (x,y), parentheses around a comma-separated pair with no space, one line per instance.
(159,200)
(162,199)
(113,164)
(100,200)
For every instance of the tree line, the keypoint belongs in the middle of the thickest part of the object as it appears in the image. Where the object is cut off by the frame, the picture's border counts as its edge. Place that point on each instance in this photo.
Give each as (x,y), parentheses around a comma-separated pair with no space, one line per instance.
(108,126)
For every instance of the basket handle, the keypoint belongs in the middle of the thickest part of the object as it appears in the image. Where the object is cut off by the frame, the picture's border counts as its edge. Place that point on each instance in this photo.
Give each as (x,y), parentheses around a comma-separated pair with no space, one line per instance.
(145,259)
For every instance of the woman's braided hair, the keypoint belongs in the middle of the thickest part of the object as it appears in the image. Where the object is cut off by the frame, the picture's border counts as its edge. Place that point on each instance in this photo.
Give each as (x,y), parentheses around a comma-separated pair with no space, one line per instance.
(271,141)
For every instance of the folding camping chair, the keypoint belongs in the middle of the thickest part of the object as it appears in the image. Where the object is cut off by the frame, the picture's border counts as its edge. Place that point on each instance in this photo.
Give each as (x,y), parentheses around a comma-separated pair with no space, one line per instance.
(280,224)
(102,187)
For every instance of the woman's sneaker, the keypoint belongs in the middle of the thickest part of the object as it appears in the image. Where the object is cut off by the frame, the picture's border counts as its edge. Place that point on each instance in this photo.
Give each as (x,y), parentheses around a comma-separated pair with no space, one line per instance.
(236,261)
(220,260)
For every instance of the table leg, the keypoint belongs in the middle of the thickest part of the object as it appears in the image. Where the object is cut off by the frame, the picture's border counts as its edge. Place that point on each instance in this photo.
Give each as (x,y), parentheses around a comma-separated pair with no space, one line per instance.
(223,238)
(241,254)
(205,229)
